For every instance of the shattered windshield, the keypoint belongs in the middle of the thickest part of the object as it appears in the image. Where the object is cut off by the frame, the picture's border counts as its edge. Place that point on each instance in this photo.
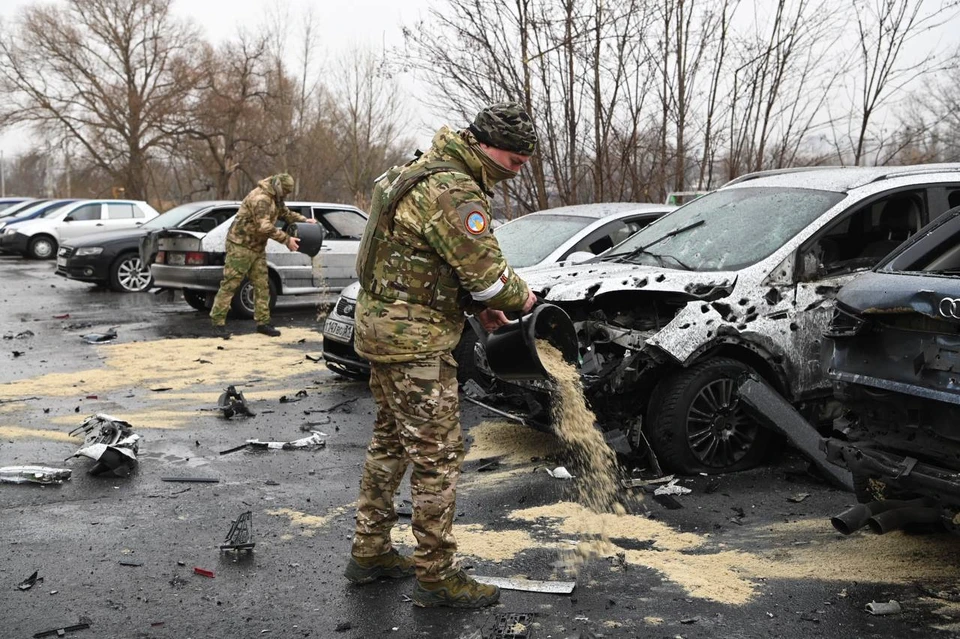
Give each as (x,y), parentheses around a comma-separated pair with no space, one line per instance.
(528,240)
(726,230)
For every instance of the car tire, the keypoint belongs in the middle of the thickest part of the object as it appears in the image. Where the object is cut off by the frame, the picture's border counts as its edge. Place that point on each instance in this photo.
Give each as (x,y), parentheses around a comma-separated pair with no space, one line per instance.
(242,302)
(42,247)
(721,436)
(196,299)
(466,360)
(127,274)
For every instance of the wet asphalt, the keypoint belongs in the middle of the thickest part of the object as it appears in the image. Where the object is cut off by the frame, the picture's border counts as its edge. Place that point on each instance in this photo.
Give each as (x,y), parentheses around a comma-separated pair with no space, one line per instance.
(75,535)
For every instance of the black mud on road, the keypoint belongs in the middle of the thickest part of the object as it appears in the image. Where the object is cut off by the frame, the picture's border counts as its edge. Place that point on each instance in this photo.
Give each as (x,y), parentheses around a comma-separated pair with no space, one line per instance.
(740,559)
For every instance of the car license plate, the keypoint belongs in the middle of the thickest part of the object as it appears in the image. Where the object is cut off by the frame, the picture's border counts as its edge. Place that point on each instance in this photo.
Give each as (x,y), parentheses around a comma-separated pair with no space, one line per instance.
(338,330)
(176,259)
(62,262)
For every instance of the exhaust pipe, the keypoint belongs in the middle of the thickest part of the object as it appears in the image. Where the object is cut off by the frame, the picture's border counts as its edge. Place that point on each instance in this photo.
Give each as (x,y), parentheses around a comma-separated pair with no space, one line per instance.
(898,518)
(855,518)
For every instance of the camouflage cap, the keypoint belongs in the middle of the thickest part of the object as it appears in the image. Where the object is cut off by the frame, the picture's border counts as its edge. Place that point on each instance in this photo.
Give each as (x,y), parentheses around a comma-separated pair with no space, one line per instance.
(505,126)
(285,183)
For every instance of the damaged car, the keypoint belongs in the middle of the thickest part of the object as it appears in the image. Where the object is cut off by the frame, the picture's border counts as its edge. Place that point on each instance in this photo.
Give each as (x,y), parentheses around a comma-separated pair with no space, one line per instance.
(739,281)
(894,358)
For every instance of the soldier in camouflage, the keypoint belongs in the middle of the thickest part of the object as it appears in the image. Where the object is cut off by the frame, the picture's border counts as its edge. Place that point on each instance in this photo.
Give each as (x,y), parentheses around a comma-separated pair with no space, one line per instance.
(254,224)
(427,258)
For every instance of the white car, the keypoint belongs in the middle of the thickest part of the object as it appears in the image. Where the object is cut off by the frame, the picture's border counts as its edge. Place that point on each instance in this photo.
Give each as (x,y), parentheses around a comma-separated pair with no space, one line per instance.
(569,234)
(40,237)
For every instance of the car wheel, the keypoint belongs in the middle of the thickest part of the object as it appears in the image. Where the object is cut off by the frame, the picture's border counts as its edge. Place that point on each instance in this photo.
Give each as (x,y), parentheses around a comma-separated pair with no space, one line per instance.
(466,360)
(128,275)
(698,425)
(242,303)
(42,247)
(196,299)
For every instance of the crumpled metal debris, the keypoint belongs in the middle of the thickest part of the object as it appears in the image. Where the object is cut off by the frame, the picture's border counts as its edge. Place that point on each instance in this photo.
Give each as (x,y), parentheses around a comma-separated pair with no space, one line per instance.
(30,581)
(96,338)
(34,475)
(315,440)
(672,489)
(110,442)
(240,535)
(232,402)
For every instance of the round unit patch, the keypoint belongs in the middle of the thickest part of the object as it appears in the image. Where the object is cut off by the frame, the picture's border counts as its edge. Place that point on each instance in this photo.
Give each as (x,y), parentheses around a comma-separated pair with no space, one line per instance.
(476,223)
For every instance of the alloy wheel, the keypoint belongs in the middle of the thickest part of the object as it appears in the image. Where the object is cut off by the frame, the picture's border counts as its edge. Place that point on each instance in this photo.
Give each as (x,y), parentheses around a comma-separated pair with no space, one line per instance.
(719,432)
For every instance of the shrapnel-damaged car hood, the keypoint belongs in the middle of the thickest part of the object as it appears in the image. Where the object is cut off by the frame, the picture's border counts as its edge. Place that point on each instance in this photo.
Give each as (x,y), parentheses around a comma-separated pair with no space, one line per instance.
(568,283)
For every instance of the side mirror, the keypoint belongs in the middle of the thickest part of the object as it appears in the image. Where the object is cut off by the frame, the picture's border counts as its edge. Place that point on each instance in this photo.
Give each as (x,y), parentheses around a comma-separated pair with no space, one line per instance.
(69,218)
(578,257)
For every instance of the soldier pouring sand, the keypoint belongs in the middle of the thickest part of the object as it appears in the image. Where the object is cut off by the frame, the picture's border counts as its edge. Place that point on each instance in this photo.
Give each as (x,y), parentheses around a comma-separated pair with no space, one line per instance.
(428,257)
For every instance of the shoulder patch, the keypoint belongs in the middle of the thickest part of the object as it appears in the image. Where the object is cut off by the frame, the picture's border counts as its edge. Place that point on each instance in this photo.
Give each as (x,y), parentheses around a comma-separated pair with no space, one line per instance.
(474,219)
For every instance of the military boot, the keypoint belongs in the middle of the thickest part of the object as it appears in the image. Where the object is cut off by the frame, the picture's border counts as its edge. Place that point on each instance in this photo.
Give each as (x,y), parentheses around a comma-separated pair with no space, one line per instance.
(220,330)
(267,329)
(456,591)
(392,565)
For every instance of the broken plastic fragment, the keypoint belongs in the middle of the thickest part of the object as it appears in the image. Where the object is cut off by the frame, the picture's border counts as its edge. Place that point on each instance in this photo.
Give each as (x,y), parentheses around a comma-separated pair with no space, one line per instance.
(315,440)
(34,475)
(232,402)
(204,572)
(30,581)
(560,473)
(891,607)
(110,442)
(96,338)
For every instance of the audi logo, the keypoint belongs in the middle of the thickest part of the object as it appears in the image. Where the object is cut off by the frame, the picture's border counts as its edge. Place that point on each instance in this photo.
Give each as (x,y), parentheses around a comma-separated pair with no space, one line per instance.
(950,307)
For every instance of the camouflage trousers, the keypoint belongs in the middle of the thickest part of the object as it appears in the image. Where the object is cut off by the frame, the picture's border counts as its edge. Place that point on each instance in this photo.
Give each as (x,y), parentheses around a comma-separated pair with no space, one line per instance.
(242,262)
(417,424)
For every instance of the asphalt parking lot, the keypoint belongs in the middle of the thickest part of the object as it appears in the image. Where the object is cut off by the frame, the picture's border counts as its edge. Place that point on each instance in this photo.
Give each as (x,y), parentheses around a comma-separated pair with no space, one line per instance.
(748,555)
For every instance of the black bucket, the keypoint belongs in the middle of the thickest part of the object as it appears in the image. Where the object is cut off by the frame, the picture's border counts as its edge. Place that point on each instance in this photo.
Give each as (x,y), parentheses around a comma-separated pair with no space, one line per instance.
(511,350)
(311,237)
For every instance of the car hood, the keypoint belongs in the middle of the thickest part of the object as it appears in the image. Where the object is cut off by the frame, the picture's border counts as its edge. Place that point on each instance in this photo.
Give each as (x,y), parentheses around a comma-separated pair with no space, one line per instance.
(33,226)
(108,237)
(567,283)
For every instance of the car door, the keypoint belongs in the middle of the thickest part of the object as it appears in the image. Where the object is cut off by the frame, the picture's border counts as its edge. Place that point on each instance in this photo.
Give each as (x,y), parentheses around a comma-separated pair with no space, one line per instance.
(854,242)
(337,259)
(123,215)
(85,219)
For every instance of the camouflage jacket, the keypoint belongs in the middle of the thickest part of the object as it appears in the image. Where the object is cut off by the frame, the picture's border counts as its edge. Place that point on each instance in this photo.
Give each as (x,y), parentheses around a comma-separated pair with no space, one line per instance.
(443,224)
(256,221)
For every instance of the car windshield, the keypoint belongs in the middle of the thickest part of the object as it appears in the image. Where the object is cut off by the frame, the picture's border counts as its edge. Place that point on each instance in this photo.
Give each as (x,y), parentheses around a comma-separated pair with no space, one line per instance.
(528,240)
(726,230)
(12,210)
(174,216)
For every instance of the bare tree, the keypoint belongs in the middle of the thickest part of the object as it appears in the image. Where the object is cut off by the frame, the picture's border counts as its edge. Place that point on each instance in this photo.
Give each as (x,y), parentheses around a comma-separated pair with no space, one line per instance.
(113,75)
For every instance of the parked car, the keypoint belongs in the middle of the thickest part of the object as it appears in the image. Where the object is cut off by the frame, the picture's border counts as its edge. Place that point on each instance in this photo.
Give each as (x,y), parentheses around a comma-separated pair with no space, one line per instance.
(30,211)
(7,202)
(192,261)
(9,209)
(568,233)
(893,354)
(113,258)
(738,281)
(39,238)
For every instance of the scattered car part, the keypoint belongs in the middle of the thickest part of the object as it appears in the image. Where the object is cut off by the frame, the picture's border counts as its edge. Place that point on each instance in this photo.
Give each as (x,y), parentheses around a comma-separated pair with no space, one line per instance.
(285,399)
(672,488)
(30,581)
(203,572)
(559,473)
(240,535)
(782,417)
(314,441)
(110,442)
(232,402)
(97,338)
(130,564)
(34,474)
(59,632)
(529,585)
(891,607)
(192,480)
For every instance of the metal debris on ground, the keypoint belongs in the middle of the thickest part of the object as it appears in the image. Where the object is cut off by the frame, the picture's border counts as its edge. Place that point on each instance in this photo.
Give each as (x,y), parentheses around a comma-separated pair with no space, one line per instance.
(314,358)
(34,475)
(30,581)
(672,488)
(59,632)
(20,335)
(110,442)
(559,473)
(132,564)
(513,625)
(798,497)
(891,607)
(294,398)
(195,480)
(313,442)
(232,402)
(98,338)
(529,585)
(240,535)
(642,483)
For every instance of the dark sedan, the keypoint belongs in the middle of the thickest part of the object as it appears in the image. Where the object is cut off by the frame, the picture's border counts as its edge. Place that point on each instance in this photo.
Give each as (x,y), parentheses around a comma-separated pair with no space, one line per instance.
(894,358)
(113,259)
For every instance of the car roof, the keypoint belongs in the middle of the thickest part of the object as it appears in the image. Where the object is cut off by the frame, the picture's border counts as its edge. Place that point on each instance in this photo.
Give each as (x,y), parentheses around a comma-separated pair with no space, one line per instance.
(837,178)
(602,209)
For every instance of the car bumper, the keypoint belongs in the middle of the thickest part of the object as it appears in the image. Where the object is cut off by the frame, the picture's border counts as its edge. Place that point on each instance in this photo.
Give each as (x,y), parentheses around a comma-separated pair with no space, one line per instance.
(84,269)
(342,354)
(200,278)
(14,243)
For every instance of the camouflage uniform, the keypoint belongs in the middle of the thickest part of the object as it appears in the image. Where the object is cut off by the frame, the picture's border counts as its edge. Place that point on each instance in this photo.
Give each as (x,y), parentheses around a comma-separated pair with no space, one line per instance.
(254,224)
(439,259)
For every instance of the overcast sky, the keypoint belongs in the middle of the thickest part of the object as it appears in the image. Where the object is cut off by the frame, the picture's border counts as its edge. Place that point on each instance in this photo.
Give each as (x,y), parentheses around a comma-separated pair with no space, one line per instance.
(342,26)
